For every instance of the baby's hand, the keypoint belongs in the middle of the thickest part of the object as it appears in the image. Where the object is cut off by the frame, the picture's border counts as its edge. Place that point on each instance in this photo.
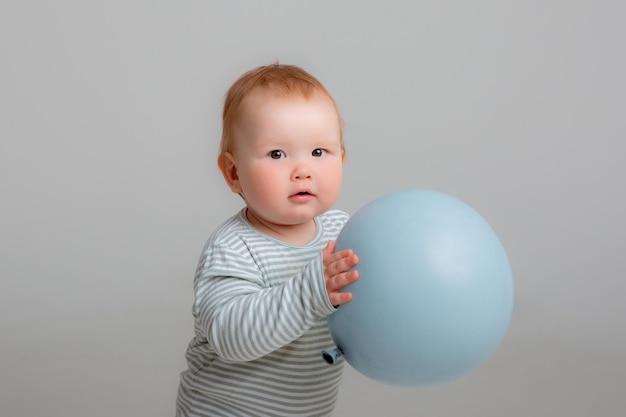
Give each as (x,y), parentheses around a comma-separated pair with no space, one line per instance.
(336,266)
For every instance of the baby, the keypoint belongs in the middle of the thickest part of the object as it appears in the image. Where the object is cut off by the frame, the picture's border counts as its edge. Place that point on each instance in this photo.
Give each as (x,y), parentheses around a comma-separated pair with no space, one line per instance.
(269,276)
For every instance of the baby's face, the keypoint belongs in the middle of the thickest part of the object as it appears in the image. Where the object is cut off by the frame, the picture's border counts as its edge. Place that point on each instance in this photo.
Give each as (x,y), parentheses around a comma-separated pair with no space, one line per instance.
(288,156)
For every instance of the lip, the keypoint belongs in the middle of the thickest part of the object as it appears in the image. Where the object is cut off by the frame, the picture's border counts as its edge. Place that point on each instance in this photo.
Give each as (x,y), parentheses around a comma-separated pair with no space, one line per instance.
(302,195)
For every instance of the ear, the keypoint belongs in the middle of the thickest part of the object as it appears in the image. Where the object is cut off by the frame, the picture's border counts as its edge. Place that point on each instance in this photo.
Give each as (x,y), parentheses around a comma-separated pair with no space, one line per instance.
(226,162)
(343,155)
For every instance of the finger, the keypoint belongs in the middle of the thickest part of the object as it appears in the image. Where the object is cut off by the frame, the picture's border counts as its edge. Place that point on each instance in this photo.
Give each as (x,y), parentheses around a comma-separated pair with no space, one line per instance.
(339,281)
(330,257)
(338,298)
(329,249)
(339,259)
(341,264)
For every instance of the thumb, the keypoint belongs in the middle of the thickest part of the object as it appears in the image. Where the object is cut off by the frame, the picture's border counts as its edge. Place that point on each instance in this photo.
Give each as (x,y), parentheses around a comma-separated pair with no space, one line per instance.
(329,249)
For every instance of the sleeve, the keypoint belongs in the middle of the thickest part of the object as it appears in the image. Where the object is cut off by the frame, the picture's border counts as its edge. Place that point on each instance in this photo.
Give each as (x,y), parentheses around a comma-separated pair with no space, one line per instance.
(241,319)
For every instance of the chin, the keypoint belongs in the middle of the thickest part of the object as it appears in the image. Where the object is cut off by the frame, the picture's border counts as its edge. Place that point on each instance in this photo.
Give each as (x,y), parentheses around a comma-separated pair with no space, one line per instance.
(299,216)
(297,220)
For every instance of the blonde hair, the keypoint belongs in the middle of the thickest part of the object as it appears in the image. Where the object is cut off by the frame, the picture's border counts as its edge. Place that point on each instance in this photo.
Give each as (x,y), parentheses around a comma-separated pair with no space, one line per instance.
(278,80)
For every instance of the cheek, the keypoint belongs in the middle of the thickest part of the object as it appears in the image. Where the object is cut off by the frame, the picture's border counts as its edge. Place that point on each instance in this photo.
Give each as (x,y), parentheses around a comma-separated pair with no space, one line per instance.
(263,172)
(333,175)
(260,179)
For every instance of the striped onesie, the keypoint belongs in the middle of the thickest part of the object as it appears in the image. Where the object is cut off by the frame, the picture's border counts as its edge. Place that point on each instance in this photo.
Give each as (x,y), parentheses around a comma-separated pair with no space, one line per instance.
(260,326)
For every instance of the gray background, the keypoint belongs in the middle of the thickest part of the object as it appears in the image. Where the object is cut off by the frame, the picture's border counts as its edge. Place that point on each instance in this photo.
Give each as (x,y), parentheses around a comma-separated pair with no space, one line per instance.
(109,124)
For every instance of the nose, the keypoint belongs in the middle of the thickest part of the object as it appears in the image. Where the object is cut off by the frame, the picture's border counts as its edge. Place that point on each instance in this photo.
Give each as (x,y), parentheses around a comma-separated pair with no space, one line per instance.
(301,171)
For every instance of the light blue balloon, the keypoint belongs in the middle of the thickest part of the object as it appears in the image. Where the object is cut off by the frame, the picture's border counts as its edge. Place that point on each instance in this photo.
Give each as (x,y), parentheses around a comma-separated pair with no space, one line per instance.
(435,293)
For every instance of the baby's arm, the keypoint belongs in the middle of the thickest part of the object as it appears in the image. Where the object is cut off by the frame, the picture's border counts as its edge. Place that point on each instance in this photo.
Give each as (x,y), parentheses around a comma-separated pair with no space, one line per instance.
(243,321)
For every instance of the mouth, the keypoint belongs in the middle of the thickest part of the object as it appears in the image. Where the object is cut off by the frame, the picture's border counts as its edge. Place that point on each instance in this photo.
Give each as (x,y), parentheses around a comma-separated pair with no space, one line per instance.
(303,193)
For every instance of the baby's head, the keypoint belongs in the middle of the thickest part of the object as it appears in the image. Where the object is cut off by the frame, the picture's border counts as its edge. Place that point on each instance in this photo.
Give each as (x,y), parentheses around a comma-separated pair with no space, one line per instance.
(282,146)
(274,80)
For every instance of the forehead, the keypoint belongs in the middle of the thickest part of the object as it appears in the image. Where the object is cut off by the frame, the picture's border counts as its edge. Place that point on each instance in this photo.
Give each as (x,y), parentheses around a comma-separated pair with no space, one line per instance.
(258,99)
(261,110)
(269,120)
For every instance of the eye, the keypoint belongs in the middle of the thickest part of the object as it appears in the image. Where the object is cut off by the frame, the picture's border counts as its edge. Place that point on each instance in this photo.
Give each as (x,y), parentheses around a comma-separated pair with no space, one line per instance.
(318,152)
(276,154)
